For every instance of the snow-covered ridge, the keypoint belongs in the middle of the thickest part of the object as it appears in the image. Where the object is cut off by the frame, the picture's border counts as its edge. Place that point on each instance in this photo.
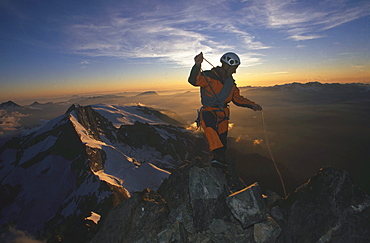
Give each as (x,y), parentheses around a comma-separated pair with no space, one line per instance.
(127,115)
(80,163)
(119,168)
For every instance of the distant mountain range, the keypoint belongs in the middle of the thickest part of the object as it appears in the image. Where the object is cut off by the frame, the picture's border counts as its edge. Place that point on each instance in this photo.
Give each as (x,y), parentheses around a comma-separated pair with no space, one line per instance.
(322,88)
(317,86)
(297,87)
(320,93)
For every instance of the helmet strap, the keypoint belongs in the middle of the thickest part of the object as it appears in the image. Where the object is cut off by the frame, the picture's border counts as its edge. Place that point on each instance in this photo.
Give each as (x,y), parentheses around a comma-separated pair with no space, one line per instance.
(225,68)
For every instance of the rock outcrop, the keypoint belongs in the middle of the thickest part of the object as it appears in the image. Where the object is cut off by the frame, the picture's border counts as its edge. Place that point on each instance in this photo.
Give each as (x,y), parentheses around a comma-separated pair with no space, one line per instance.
(328,208)
(199,203)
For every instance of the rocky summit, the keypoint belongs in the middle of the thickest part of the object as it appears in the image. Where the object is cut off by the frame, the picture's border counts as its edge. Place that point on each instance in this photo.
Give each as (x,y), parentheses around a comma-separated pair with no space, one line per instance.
(200,203)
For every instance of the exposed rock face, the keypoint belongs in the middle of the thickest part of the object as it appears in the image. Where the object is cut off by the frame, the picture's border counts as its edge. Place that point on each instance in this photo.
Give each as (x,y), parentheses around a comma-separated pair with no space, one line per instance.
(178,144)
(248,206)
(199,203)
(195,204)
(129,221)
(328,208)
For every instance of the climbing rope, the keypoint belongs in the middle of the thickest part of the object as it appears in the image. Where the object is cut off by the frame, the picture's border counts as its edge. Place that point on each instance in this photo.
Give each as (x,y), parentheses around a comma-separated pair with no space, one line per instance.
(210,85)
(272,157)
(208,62)
(266,137)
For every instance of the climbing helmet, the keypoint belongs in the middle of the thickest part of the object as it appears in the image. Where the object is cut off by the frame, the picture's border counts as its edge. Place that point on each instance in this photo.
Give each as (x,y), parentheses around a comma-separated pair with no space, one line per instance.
(230,58)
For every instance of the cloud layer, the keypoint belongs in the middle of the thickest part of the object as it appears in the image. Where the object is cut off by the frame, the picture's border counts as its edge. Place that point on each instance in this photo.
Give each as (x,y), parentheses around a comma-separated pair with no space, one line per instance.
(174,31)
(9,121)
(169,32)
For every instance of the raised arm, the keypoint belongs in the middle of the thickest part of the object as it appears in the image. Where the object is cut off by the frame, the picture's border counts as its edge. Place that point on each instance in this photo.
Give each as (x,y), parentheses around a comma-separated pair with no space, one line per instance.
(195,77)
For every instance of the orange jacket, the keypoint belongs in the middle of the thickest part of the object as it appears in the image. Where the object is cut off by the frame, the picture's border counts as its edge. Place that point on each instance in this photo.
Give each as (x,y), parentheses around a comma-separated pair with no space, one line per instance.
(213,84)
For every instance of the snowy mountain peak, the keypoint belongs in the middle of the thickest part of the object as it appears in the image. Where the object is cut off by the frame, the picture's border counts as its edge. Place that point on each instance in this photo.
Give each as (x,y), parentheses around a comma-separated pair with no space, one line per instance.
(128,115)
(9,105)
(79,163)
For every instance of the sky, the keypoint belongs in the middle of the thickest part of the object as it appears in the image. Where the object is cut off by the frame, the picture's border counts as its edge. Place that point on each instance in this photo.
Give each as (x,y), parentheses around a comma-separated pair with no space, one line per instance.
(66,47)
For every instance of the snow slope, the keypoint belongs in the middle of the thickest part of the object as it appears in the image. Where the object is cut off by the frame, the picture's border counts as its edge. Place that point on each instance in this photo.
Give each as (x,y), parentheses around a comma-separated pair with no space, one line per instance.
(126,115)
(119,168)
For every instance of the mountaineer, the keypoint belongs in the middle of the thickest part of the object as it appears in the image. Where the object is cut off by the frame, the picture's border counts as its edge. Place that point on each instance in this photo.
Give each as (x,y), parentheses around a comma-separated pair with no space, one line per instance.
(218,88)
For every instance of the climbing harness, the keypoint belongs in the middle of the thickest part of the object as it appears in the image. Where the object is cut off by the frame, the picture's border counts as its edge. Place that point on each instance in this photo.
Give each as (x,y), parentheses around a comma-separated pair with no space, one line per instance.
(218,119)
(272,157)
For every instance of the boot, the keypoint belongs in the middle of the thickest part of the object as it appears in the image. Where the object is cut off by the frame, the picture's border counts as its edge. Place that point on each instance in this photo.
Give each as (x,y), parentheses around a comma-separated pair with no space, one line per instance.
(219,158)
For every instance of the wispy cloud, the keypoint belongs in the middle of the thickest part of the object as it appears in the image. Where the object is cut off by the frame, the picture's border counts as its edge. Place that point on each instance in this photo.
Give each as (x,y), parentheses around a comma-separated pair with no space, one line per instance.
(9,121)
(174,33)
(306,20)
(344,15)
(128,38)
(361,68)
(84,62)
(301,34)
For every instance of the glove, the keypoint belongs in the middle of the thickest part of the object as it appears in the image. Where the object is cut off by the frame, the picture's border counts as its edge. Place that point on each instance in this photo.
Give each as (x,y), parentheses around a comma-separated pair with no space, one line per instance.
(257,107)
(198,59)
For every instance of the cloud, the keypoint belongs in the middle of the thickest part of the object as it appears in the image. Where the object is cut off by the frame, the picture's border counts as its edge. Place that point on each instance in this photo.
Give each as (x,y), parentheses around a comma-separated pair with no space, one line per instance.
(300,46)
(174,33)
(258,141)
(281,72)
(84,62)
(169,34)
(18,236)
(361,68)
(302,37)
(306,20)
(124,38)
(10,121)
(346,15)
(231,125)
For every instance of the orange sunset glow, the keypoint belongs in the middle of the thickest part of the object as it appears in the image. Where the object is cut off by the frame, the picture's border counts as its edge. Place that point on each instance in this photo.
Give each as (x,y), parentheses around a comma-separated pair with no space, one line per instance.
(111,47)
